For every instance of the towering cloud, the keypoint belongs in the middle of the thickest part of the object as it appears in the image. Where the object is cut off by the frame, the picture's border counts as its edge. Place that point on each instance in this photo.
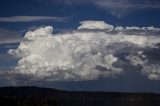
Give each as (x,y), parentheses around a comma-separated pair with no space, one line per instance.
(95,50)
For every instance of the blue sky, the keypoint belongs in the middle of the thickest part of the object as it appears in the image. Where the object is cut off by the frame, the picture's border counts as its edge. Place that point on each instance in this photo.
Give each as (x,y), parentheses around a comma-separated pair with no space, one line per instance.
(74,13)
(19,16)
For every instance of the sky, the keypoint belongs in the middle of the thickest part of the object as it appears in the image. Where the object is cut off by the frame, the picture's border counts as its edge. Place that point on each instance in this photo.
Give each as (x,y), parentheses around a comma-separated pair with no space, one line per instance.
(94,45)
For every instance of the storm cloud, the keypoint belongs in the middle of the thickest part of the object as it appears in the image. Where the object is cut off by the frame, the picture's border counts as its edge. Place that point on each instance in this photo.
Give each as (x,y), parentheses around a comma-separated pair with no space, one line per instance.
(96,49)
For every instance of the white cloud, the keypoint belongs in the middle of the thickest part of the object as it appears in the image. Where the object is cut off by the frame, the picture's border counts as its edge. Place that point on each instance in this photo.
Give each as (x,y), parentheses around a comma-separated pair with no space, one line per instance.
(95,25)
(81,54)
(29,18)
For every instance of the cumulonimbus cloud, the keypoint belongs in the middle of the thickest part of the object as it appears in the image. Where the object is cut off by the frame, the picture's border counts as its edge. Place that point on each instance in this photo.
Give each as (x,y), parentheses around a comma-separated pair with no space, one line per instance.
(96,49)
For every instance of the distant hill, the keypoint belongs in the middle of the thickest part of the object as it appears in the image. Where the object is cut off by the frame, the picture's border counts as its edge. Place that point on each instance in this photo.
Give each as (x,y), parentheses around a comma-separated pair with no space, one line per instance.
(36,96)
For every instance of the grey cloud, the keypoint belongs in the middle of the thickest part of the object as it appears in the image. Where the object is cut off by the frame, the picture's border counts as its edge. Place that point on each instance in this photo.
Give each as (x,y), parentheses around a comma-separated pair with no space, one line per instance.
(7,36)
(30,18)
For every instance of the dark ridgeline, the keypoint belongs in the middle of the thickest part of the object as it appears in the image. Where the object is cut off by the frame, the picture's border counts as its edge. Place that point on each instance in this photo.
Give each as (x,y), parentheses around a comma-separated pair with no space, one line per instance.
(35,96)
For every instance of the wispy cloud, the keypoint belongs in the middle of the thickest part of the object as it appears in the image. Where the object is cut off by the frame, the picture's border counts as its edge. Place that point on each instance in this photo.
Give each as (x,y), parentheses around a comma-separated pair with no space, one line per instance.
(7,36)
(30,18)
(118,8)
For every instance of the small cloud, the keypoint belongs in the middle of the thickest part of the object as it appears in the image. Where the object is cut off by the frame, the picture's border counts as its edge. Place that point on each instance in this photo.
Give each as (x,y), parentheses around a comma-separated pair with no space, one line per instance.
(30,18)
(95,25)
